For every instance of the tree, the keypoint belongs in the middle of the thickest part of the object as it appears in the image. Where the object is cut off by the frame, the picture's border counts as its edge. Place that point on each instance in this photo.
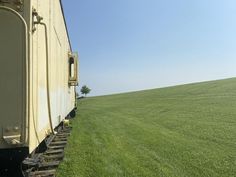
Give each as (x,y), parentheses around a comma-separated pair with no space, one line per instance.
(85,90)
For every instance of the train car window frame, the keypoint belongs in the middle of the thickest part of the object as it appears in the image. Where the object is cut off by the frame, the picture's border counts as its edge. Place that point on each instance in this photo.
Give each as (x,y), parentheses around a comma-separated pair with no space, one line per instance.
(73,69)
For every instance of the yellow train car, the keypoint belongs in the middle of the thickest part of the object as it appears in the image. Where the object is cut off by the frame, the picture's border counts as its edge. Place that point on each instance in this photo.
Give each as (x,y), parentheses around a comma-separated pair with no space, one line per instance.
(38,74)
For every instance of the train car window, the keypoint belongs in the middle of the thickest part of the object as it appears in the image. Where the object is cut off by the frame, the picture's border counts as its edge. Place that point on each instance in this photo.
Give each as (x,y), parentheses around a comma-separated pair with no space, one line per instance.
(73,69)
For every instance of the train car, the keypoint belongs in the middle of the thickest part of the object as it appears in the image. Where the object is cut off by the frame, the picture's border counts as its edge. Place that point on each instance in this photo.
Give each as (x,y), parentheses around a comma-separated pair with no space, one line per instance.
(38,74)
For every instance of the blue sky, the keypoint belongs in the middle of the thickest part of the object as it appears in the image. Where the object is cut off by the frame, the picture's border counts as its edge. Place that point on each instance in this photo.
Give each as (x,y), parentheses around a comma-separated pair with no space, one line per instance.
(128,45)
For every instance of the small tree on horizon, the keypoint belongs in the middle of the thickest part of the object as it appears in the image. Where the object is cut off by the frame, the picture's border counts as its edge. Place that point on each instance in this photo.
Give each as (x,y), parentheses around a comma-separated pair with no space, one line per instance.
(85,90)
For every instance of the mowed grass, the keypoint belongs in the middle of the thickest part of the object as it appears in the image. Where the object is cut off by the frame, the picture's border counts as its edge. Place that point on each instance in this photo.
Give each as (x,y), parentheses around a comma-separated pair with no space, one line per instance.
(182,131)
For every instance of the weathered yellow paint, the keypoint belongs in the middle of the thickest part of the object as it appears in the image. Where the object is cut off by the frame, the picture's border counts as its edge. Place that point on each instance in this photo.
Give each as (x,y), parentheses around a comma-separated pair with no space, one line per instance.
(23,81)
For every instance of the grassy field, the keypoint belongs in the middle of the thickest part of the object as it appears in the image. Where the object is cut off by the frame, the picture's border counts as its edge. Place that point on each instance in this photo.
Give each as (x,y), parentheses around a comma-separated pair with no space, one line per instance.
(183,131)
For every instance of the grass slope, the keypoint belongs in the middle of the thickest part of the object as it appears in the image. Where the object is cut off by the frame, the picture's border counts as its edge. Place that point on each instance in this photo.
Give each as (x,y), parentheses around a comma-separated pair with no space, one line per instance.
(182,131)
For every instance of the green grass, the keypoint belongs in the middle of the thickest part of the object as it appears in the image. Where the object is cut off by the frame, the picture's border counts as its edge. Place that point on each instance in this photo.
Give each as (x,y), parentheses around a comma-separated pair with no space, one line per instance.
(182,131)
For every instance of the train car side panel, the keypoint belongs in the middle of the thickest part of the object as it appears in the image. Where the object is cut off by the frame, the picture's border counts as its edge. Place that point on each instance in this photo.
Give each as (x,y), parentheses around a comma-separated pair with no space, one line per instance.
(62,95)
(35,91)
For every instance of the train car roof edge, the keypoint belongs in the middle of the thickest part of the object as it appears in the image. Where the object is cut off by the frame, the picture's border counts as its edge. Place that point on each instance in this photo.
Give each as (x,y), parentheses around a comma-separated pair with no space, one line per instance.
(63,14)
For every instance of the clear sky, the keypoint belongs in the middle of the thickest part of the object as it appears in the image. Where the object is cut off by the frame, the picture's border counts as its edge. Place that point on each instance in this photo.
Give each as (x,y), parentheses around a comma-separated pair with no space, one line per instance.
(127,45)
